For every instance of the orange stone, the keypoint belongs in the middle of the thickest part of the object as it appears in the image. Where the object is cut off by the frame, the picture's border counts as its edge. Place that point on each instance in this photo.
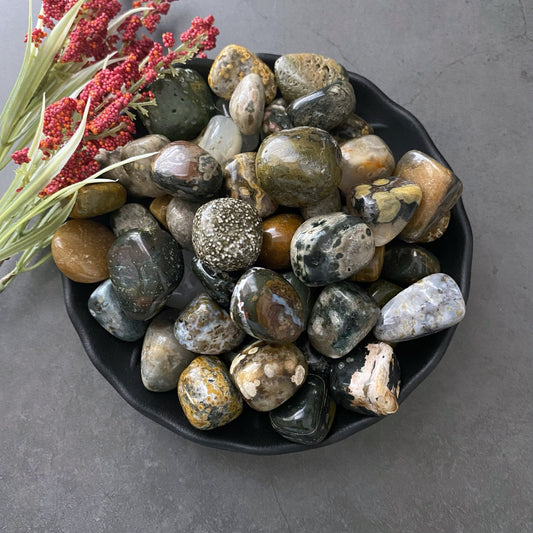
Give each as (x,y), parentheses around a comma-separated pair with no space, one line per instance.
(79,249)
(159,207)
(277,234)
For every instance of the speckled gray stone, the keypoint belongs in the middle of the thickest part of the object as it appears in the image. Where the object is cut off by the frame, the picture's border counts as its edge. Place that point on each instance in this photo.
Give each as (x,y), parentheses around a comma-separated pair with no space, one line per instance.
(132,216)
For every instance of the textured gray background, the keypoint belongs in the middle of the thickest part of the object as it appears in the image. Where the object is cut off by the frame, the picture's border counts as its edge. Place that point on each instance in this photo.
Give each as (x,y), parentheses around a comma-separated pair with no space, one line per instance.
(74,457)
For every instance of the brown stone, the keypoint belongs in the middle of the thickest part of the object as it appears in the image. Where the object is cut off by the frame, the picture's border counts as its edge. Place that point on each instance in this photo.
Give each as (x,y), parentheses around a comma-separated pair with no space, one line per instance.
(158,208)
(437,230)
(79,249)
(97,199)
(372,271)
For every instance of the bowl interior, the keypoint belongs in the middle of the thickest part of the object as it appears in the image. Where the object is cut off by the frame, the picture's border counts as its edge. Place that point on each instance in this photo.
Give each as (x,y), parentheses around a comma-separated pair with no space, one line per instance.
(119,361)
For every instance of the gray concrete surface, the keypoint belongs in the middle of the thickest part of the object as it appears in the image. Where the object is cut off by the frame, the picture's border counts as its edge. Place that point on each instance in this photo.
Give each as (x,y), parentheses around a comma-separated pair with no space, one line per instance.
(74,457)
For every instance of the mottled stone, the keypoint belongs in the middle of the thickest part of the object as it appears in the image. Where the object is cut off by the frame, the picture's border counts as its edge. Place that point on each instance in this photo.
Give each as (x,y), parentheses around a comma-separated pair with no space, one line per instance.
(386,205)
(145,267)
(324,108)
(180,215)
(299,167)
(206,394)
(267,306)
(306,417)
(372,270)
(247,104)
(241,183)
(437,229)
(105,309)
(367,380)
(163,358)
(432,304)
(364,160)
(268,374)
(276,118)
(301,74)
(330,248)
(217,283)
(158,208)
(352,127)
(381,291)
(404,263)
(278,231)
(184,105)
(187,171)
(79,250)
(132,216)
(222,139)
(98,199)
(204,327)
(227,234)
(317,363)
(232,64)
(341,318)
(330,204)
(440,191)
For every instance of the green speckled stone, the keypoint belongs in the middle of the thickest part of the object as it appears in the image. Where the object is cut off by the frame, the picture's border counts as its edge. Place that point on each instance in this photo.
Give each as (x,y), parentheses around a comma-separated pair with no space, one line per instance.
(299,167)
(217,283)
(352,127)
(184,106)
(207,395)
(145,267)
(382,291)
(306,417)
(267,306)
(341,318)
(325,108)
(132,216)
(404,263)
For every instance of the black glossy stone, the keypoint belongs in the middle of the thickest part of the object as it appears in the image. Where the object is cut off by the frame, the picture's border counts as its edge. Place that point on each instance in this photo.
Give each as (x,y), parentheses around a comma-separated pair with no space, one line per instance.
(382,291)
(218,284)
(307,416)
(316,362)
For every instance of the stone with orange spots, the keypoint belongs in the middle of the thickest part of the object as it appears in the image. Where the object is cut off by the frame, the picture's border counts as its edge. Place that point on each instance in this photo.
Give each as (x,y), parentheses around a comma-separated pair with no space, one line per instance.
(207,395)
(277,234)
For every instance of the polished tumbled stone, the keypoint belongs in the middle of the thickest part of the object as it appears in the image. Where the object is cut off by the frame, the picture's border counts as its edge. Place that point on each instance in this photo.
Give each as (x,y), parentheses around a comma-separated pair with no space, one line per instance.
(381,291)
(276,118)
(317,363)
(330,204)
(330,248)
(163,358)
(306,417)
(158,207)
(437,229)
(268,374)
(432,304)
(217,283)
(367,380)
(132,216)
(278,231)
(306,294)
(372,270)
(180,215)
(341,318)
(247,104)
(207,395)
(222,139)
(351,128)
(105,308)
(98,199)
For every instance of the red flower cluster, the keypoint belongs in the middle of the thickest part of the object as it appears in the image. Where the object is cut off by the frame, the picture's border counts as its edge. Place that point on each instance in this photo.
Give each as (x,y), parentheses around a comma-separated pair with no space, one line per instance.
(201,31)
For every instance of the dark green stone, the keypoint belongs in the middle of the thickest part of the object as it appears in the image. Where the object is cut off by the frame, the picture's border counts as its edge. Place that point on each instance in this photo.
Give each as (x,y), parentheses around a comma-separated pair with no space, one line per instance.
(218,284)
(382,291)
(352,127)
(144,267)
(307,416)
(405,264)
(316,362)
(184,106)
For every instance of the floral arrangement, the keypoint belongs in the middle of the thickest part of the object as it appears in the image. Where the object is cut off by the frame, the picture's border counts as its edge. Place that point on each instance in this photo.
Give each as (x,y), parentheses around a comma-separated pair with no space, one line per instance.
(85,73)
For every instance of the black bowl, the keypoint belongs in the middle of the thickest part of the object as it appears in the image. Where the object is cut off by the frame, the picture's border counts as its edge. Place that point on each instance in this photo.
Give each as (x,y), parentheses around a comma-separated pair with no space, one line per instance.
(119,361)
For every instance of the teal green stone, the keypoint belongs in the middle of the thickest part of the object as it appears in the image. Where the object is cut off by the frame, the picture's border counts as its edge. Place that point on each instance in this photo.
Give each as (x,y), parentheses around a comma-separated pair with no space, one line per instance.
(306,417)
(184,106)
(382,291)
(404,264)
(144,267)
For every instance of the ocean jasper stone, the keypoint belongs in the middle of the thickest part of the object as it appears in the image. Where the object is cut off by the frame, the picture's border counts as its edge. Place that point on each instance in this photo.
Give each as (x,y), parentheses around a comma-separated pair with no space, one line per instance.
(301,74)
(232,64)
(299,167)
(404,264)
(204,327)
(158,207)
(276,117)
(437,229)
(324,108)
(440,191)
(386,205)
(364,160)
(330,204)
(145,267)
(268,374)
(184,105)
(132,216)
(250,143)
(79,250)
(217,283)
(381,291)
(105,309)
(163,358)
(367,380)
(306,417)
(267,306)
(187,171)
(227,234)
(277,235)
(222,139)
(241,183)
(372,270)
(317,363)
(305,293)
(352,127)
(247,104)
(180,215)
(341,318)
(432,304)
(330,248)
(98,199)
(206,394)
